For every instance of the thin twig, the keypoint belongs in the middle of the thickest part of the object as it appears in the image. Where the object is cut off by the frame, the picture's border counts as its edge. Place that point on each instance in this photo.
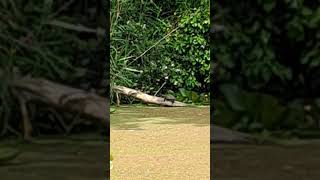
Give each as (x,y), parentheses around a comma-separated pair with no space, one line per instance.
(65,6)
(118,9)
(160,88)
(78,27)
(154,45)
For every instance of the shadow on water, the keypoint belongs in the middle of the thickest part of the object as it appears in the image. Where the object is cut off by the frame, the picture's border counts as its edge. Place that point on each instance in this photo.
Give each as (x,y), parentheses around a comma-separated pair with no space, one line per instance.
(133,117)
(252,162)
(65,158)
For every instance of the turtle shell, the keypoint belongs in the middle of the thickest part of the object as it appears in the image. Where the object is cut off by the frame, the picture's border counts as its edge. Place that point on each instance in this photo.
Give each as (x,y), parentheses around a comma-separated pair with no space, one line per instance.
(169,97)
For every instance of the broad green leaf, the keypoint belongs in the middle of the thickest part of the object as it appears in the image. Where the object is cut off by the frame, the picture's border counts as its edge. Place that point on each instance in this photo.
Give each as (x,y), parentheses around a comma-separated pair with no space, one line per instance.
(233,96)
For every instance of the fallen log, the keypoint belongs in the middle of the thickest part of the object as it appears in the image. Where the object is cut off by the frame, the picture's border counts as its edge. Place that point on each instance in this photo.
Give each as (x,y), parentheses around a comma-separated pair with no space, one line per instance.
(146,97)
(70,99)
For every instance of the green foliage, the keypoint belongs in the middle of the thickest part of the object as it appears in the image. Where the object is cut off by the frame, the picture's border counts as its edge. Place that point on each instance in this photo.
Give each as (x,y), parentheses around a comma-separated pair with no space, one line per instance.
(190,58)
(147,49)
(112,110)
(31,41)
(134,28)
(268,48)
(39,40)
(111,159)
(192,97)
(43,39)
(256,112)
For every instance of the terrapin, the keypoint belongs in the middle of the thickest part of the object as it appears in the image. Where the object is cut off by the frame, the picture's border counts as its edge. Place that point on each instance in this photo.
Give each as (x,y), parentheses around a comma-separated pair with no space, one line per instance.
(169,97)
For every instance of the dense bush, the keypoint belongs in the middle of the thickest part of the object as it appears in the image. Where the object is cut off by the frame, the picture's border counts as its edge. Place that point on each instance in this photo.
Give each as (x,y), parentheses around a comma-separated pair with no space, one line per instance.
(41,40)
(148,50)
(134,28)
(266,48)
(271,46)
(55,40)
(189,48)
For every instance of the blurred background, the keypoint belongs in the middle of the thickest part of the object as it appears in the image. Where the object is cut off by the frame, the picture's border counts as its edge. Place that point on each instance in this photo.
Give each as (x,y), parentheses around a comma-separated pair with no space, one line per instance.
(63,43)
(60,41)
(265,58)
(264,83)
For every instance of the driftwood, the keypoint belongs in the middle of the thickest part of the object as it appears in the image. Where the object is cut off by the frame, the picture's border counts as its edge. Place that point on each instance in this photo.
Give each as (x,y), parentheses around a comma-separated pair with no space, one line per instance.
(59,96)
(147,98)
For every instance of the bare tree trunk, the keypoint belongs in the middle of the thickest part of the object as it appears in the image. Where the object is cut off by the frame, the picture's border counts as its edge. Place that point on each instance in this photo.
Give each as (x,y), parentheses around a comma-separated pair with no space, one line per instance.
(147,98)
(70,99)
